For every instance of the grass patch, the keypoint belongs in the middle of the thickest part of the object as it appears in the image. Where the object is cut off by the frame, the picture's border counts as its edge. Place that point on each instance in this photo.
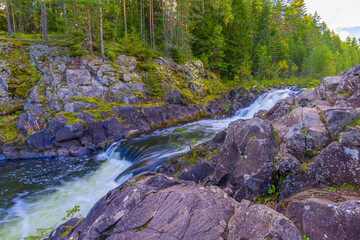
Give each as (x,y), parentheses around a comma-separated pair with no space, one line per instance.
(355,123)
(8,131)
(304,166)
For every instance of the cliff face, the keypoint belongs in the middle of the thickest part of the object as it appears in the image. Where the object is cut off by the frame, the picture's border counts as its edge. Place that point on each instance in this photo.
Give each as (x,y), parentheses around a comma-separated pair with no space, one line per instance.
(53,104)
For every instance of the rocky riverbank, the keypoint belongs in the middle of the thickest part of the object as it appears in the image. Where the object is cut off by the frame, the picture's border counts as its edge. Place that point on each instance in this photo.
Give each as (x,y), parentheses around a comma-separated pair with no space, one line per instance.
(53,103)
(302,157)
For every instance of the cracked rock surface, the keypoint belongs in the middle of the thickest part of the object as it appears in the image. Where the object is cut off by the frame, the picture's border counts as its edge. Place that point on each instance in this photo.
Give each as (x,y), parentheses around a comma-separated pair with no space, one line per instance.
(156,206)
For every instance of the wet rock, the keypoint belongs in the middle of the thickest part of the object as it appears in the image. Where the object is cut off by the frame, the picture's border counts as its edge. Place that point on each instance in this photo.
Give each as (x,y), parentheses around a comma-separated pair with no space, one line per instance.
(154,206)
(71,131)
(246,160)
(323,215)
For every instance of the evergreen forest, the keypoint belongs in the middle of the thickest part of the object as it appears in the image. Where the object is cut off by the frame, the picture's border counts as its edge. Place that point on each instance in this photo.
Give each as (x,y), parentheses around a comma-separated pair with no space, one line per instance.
(241,40)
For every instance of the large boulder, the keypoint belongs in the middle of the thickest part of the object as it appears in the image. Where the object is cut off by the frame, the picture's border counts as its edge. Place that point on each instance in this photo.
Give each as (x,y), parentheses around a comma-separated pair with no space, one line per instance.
(246,160)
(71,131)
(335,165)
(155,206)
(337,118)
(324,215)
(252,221)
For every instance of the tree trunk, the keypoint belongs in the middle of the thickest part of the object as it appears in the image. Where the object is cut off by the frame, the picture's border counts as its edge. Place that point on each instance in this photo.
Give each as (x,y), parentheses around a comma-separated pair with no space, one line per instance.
(89,30)
(150,24)
(141,20)
(125,23)
(13,17)
(202,7)
(64,12)
(44,21)
(164,25)
(8,18)
(101,33)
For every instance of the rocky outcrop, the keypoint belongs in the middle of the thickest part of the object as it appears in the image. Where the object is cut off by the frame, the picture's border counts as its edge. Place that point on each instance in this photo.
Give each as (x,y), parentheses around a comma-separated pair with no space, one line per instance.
(245,163)
(155,206)
(310,140)
(62,105)
(324,215)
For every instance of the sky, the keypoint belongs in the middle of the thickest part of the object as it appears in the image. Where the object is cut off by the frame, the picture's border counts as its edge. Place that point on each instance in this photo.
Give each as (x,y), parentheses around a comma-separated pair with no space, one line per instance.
(343,16)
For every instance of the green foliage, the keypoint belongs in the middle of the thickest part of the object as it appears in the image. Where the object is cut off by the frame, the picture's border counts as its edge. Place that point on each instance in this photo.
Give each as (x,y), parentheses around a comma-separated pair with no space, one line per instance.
(332,189)
(190,141)
(276,136)
(43,233)
(273,195)
(273,192)
(252,42)
(154,83)
(355,123)
(71,212)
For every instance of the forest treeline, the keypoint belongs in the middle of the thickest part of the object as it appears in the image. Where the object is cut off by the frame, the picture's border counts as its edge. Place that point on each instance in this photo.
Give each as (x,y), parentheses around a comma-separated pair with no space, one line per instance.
(238,39)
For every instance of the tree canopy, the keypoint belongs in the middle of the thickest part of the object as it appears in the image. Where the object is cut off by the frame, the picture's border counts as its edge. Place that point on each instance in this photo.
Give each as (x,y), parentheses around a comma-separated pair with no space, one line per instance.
(238,39)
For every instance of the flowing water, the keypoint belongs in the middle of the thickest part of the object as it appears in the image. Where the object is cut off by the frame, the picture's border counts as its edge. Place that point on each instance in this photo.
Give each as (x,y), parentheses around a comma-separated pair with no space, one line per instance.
(37,193)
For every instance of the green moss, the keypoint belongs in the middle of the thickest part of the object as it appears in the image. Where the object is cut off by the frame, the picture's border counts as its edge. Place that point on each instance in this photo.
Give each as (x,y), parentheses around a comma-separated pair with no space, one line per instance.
(196,152)
(303,130)
(132,183)
(304,166)
(142,228)
(349,187)
(176,174)
(355,123)
(276,136)
(70,117)
(68,229)
(8,131)
(147,67)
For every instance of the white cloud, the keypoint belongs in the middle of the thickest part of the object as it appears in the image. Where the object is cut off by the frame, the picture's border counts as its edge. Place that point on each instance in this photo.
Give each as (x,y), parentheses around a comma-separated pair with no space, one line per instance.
(337,14)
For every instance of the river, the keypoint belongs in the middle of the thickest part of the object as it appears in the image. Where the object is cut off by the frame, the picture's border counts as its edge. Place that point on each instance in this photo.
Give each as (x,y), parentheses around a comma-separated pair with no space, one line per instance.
(37,193)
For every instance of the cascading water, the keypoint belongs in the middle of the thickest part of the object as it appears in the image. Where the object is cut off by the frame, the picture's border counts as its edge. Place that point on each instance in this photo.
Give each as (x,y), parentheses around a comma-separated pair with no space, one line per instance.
(37,193)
